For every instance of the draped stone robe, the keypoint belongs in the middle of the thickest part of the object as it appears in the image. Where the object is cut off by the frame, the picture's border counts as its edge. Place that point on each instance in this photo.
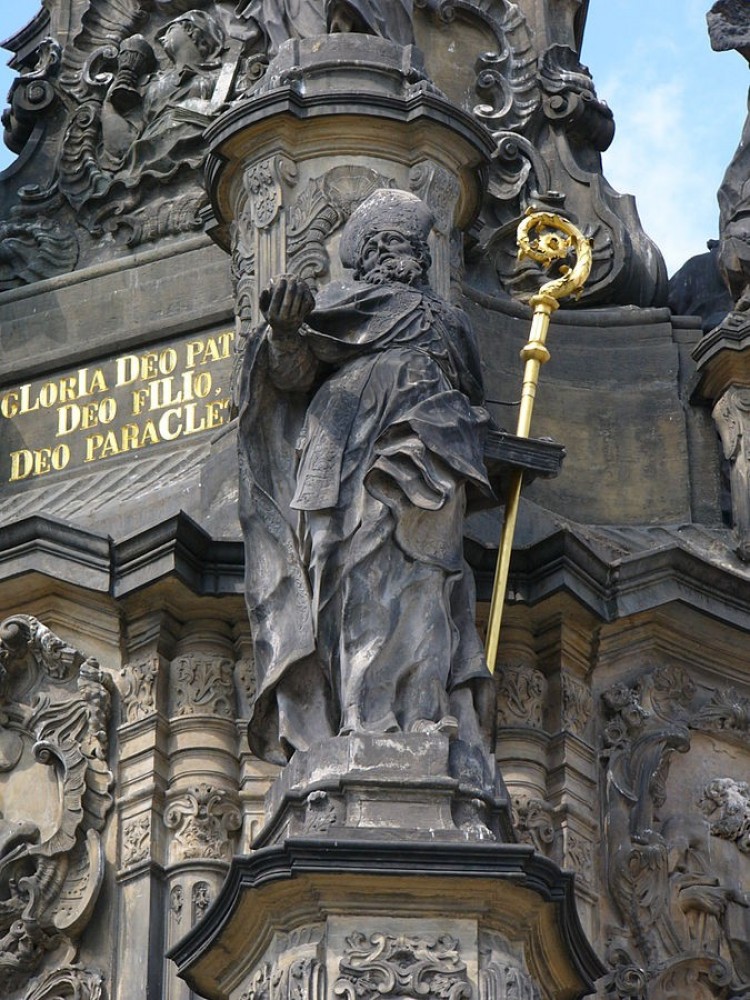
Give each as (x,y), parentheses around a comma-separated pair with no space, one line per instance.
(280,20)
(361,441)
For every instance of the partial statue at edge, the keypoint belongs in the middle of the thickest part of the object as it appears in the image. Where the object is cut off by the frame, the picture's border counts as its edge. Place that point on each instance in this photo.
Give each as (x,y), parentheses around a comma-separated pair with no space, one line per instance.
(279,20)
(729,28)
(361,444)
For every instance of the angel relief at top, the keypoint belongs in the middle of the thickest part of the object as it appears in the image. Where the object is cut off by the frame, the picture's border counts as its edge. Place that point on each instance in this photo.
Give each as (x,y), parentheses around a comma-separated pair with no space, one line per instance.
(128,99)
(110,126)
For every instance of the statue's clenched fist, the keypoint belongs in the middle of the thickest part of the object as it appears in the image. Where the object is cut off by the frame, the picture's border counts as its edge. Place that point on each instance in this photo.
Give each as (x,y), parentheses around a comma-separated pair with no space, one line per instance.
(286,303)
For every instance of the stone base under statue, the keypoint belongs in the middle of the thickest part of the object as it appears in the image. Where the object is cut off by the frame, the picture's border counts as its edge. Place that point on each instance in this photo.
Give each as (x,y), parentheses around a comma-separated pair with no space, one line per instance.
(378,880)
(385,921)
(399,786)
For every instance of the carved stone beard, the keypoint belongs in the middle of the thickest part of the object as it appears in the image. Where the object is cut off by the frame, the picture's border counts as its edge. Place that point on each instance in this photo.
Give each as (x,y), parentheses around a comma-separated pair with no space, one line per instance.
(406,270)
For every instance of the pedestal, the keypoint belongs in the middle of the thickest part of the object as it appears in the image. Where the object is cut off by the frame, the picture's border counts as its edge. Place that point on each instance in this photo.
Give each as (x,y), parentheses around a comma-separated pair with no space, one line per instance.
(387,866)
(370,920)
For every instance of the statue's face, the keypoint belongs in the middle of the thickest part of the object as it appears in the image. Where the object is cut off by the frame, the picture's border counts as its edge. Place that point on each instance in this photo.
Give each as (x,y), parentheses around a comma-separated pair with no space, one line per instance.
(390,256)
(178,41)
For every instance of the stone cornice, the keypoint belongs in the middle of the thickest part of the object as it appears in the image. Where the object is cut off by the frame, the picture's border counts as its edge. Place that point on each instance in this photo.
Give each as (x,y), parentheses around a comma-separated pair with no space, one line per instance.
(310,861)
(179,547)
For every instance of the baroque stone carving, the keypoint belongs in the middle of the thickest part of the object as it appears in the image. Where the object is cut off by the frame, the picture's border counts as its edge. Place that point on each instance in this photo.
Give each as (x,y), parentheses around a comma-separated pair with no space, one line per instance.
(176,902)
(202,819)
(550,129)
(138,84)
(139,123)
(277,21)
(313,216)
(502,971)
(202,685)
(731,415)
(679,899)
(577,704)
(726,805)
(135,841)
(521,695)
(532,821)
(55,783)
(247,684)
(33,247)
(319,210)
(322,812)
(200,899)
(296,978)
(391,966)
(128,98)
(73,983)
(729,28)
(138,689)
(384,242)
(31,93)
(578,855)
(507,982)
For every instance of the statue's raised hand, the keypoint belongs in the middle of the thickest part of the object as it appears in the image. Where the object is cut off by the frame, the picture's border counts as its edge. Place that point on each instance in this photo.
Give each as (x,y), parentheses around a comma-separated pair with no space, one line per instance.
(286,303)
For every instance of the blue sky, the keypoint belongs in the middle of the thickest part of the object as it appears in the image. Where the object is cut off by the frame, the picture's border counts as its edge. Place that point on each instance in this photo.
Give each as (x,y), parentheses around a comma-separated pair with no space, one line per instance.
(678,106)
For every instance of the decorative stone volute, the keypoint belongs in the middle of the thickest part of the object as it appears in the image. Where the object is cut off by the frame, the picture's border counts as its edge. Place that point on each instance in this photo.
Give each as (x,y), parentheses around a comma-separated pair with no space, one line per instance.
(55,798)
(336,118)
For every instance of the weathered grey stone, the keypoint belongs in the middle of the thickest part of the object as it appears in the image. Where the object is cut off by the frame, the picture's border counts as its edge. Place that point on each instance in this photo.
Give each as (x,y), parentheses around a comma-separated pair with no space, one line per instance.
(623,568)
(394,787)
(698,289)
(56,797)
(403,456)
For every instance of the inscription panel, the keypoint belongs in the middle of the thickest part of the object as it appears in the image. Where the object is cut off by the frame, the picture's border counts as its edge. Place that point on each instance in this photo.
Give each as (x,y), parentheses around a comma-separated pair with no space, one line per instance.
(119,405)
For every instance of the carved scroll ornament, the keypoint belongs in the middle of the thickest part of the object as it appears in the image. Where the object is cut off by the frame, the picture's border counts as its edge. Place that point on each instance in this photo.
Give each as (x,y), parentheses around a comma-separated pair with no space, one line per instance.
(202,820)
(55,792)
(390,966)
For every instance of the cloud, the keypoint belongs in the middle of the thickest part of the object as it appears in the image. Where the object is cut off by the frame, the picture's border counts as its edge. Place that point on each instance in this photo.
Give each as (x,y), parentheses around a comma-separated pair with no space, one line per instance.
(676,133)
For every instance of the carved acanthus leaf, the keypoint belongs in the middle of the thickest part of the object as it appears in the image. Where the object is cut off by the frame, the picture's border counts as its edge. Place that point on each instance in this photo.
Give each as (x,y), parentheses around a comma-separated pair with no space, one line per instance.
(31,93)
(727,711)
(202,685)
(138,689)
(521,695)
(321,208)
(73,983)
(202,820)
(570,98)
(506,78)
(393,966)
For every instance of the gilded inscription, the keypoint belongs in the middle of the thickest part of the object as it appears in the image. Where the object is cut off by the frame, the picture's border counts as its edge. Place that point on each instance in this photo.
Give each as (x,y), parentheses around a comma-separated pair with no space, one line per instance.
(125,403)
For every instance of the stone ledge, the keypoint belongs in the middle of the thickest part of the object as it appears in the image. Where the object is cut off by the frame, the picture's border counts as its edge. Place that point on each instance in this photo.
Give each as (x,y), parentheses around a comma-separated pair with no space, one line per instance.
(506,887)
